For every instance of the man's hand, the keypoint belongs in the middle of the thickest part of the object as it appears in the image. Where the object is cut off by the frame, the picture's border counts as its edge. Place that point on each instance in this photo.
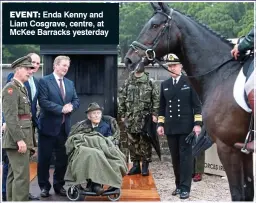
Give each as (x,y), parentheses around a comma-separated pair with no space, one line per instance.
(154,118)
(70,107)
(160,131)
(67,108)
(3,127)
(22,147)
(235,52)
(197,129)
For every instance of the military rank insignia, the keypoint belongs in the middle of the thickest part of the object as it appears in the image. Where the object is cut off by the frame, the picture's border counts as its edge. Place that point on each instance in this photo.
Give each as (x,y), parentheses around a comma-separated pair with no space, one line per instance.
(10,91)
(171,58)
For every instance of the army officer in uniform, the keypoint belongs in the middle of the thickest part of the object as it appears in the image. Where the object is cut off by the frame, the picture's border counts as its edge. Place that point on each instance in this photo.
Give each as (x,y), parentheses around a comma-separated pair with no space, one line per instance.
(179,114)
(18,136)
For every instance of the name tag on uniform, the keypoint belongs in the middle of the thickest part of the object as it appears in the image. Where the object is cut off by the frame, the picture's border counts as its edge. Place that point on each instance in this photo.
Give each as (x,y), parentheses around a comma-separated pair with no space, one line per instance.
(165,89)
(184,88)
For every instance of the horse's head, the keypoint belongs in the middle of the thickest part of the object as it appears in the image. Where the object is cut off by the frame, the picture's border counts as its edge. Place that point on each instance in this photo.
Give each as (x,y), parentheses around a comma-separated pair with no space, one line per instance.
(158,37)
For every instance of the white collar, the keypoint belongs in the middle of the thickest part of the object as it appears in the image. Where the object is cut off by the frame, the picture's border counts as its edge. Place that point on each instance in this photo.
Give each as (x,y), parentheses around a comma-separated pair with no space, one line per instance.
(177,79)
(95,125)
(31,78)
(57,77)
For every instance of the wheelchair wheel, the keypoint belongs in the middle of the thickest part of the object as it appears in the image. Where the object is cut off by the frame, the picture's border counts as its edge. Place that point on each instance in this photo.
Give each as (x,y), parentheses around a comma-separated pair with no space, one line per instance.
(73,193)
(114,197)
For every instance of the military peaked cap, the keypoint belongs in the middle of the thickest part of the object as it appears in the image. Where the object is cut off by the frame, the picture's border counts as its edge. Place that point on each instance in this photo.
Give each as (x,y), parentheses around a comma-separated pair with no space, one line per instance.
(172,59)
(24,61)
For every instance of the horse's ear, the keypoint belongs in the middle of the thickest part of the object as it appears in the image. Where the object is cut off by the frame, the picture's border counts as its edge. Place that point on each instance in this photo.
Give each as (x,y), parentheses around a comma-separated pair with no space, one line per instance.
(164,7)
(155,6)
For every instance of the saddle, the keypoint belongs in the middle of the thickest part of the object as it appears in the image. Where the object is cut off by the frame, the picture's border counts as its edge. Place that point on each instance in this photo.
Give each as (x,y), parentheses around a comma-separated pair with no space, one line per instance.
(246,60)
(239,93)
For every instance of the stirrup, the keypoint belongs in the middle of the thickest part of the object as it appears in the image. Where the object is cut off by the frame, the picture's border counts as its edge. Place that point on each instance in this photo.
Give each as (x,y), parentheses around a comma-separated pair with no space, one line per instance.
(244,149)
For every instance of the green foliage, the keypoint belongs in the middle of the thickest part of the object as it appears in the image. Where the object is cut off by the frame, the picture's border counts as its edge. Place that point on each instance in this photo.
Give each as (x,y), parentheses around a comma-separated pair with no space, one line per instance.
(12,52)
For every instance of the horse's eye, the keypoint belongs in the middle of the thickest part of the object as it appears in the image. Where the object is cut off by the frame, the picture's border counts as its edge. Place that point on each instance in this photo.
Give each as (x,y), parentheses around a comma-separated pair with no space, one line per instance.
(154,26)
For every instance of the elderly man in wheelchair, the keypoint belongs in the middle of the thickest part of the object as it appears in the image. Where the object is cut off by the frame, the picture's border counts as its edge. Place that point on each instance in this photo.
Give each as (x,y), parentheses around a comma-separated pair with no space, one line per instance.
(94,158)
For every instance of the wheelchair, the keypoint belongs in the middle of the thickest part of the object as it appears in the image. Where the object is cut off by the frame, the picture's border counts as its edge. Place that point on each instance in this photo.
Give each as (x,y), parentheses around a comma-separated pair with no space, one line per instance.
(78,193)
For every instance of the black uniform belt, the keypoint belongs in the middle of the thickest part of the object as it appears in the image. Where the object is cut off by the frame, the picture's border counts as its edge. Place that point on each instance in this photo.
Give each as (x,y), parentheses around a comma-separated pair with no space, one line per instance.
(24,116)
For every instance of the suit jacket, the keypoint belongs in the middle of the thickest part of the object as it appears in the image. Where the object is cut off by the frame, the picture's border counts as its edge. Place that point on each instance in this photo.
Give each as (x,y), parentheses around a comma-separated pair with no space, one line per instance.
(180,108)
(32,101)
(51,104)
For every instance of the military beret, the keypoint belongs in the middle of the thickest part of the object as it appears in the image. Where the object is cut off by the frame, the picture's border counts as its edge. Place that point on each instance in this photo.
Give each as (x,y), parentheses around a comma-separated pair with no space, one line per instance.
(24,61)
(172,59)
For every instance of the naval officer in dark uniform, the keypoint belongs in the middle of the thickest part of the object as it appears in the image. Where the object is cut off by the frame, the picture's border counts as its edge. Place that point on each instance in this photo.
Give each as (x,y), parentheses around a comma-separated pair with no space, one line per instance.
(179,115)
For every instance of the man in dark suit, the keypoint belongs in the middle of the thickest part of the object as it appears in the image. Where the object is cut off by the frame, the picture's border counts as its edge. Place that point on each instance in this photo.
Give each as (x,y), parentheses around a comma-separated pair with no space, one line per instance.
(179,114)
(32,88)
(57,100)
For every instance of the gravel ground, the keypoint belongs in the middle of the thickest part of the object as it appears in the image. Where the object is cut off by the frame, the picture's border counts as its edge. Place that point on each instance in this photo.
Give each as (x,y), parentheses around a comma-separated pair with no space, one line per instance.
(211,188)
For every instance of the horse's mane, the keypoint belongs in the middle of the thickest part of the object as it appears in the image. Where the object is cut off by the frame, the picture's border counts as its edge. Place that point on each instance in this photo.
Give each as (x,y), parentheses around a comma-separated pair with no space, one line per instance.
(220,36)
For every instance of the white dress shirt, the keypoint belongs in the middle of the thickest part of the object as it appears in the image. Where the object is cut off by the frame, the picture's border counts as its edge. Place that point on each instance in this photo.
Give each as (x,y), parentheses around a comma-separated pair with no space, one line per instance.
(32,86)
(177,80)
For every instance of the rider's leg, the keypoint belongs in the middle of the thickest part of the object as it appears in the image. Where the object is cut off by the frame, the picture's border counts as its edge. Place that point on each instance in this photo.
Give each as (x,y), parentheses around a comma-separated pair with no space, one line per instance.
(249,89)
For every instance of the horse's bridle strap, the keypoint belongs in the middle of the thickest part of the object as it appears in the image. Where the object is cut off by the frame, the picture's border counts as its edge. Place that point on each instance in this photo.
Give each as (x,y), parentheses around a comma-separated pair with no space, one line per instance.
(135,44)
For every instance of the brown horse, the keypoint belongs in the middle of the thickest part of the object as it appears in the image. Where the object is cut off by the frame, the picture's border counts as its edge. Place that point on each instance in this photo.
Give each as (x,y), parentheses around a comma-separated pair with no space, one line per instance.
(207,60)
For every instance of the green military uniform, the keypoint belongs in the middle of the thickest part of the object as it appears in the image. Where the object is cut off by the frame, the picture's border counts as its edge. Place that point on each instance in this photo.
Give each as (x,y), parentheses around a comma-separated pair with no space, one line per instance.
(17,112)
(138,97)
(247,43)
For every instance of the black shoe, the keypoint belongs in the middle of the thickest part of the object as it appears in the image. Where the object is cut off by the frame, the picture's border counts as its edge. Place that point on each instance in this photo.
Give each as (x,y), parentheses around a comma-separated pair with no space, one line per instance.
(184,195)
(135,168)
(4,197)
(177,191)
(60,191)
(97,189)
(32,197)
(45,193)
(145,171)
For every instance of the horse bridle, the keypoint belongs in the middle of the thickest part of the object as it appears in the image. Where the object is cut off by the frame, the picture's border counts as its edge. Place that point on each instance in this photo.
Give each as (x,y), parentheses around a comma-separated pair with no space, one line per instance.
(149,51)
(150,54)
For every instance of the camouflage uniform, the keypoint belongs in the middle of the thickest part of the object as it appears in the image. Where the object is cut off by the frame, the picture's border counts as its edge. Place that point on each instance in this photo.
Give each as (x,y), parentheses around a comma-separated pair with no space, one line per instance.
(138,97)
